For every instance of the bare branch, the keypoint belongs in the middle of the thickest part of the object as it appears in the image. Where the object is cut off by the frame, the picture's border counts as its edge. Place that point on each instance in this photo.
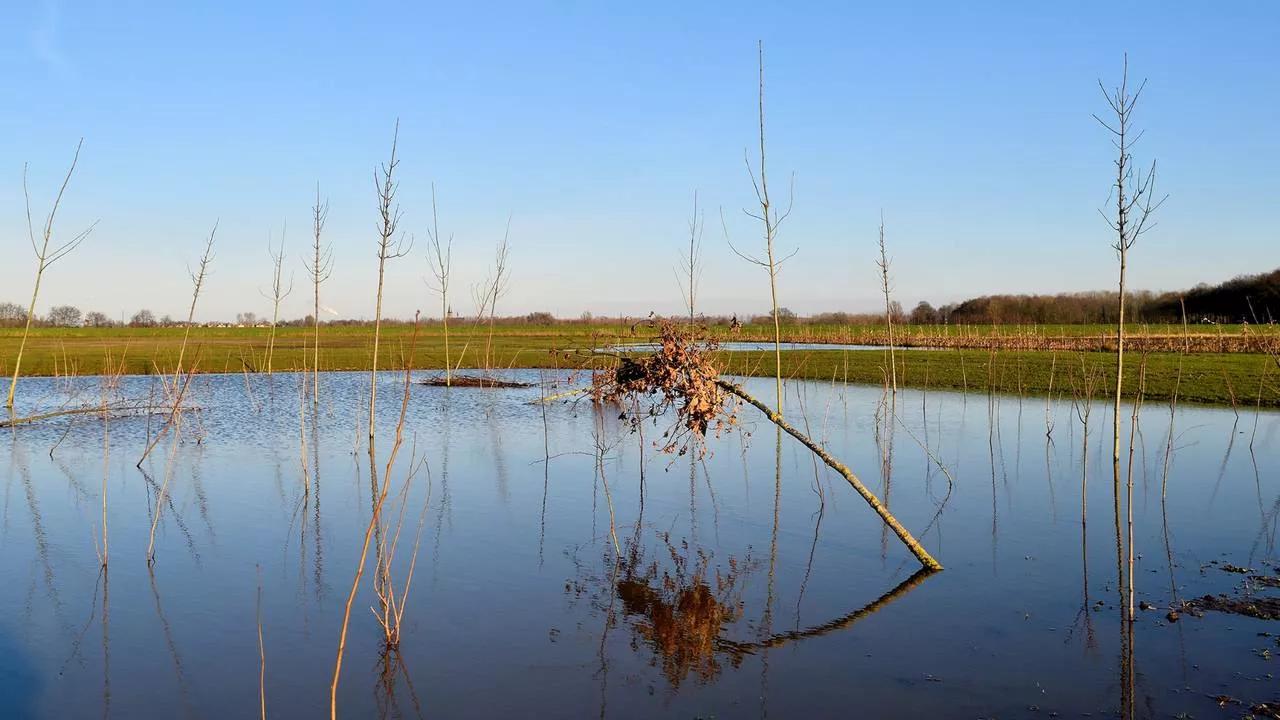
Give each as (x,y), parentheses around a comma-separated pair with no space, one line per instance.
(322,265)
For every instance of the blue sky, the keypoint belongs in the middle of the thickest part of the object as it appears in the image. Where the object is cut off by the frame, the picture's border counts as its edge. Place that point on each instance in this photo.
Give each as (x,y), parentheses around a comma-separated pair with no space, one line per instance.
(591,125)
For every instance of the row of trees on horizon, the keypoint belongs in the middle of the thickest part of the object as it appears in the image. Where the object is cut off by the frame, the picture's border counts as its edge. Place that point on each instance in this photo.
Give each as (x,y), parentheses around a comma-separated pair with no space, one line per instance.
(1244,299)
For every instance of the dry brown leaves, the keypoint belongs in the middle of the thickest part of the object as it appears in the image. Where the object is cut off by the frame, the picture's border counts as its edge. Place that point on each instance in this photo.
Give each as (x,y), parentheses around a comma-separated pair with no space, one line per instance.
(681,375)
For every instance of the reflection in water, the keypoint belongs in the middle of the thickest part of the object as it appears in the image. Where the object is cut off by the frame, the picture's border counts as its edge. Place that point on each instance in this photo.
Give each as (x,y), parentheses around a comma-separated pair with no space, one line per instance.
(391,669)
(8,482)
(1084,617)
(678,608)
(885,416)
(164,499)
(41,540)
(106,646)
(546,471)
(1226,457)
(178,671)
(499,455)
(822,508)
(831,626)
(771,588)
(317,540)
(202,500)
(445,514)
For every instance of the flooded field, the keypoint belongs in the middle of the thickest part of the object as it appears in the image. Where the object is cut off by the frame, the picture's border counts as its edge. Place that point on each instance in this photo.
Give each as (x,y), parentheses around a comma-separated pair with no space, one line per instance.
(565,568)
(753,346)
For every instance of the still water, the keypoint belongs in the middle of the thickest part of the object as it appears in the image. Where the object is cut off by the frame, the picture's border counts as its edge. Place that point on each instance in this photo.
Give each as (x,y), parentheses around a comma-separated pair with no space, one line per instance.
(751,583)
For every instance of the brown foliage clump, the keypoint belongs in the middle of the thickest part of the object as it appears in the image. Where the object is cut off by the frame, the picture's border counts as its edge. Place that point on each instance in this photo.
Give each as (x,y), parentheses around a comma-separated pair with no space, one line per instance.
(679,611)
(680,374)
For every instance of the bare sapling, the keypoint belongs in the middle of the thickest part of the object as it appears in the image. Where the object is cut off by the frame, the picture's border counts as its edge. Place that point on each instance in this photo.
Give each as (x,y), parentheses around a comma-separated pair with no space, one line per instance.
(197,280)
(770,219)
(320,267)
(883,264)
(691,265)
(278,293)
(392,602)
(46,255)
(486,295)
(1134,205)
(389,247)
(162,492)
(440,258)
(179,387)
(375,523)
(496,289)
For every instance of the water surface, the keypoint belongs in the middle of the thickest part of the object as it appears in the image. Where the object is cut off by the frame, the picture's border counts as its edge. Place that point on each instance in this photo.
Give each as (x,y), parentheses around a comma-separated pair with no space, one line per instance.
(752,582)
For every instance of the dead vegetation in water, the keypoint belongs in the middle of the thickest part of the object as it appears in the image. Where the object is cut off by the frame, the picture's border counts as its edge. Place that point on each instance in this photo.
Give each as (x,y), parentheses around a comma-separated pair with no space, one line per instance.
(1262,608)
(1245,600)
(681,375)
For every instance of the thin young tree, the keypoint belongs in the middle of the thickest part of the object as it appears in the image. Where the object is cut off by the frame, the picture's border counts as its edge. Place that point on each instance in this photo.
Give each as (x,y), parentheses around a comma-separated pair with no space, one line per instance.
(691,264)
(883,264)
(197,281)
(45,256)
(440,258)
(278,293)
(1133,192)
(198,277)
(320,267)
(1134,205)
(389,247)
(487,293)
(770,219)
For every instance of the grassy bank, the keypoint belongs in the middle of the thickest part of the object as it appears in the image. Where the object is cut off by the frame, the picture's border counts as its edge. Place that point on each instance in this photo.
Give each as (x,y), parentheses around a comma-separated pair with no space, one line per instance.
(1219,379)
(1215,378)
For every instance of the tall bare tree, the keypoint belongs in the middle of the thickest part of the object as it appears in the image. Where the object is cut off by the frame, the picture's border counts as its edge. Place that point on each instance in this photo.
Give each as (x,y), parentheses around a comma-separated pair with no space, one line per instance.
(45,256)
(1135,202)
(883,264)
(320,267)
(770,219)
(278,292)
(389,247)
(440,258)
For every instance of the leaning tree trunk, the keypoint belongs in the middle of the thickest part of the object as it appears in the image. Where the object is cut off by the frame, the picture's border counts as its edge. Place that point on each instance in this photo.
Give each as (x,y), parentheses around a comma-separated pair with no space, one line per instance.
(903,534)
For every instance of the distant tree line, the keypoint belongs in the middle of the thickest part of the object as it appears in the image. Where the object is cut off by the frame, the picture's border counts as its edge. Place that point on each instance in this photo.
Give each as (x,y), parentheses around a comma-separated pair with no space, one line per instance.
(1247,298)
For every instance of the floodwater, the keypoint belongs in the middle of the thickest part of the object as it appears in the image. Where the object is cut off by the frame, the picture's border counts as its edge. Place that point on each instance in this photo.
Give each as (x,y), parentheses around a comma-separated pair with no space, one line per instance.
(750,583)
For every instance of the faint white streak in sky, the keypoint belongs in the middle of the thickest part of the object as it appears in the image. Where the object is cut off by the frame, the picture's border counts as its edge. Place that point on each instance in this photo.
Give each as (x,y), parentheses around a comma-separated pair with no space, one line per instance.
(44,38)
(329,310)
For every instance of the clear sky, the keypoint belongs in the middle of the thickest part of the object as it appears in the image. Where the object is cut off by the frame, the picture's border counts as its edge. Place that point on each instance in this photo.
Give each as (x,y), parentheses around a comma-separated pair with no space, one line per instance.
(592,124)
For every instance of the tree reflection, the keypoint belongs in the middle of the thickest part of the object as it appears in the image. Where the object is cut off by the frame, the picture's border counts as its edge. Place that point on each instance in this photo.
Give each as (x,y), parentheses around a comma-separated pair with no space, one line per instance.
(680,604)
(675,604)
(679,610)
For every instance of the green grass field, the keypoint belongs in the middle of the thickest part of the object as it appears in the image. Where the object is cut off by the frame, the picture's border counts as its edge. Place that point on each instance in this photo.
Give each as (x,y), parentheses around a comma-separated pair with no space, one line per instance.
(1243,379)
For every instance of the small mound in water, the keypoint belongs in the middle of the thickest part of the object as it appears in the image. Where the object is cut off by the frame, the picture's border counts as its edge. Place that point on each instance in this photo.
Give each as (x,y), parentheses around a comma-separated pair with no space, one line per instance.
(472,381)
(1263,608)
